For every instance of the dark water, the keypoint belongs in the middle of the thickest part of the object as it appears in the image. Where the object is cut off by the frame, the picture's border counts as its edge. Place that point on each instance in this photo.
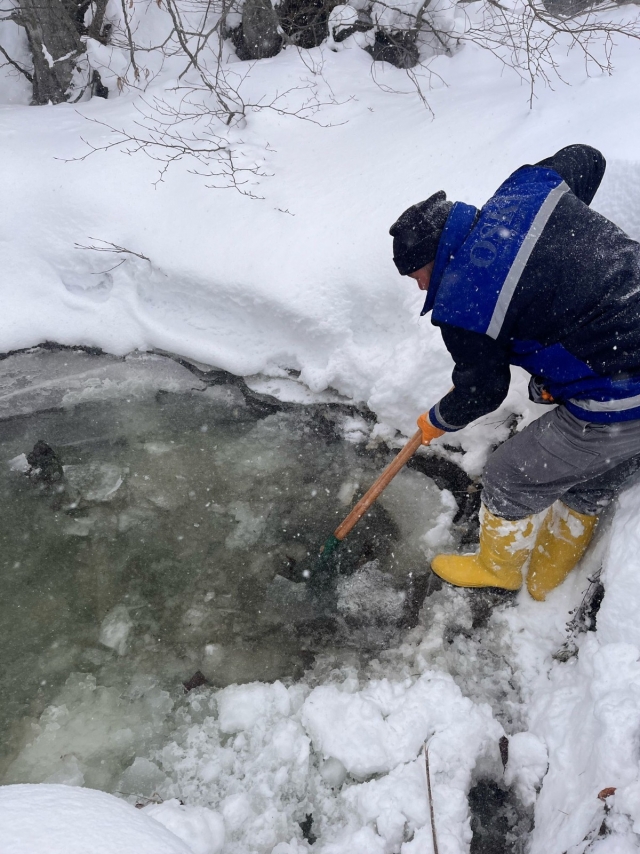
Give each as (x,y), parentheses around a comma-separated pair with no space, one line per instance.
(172,545)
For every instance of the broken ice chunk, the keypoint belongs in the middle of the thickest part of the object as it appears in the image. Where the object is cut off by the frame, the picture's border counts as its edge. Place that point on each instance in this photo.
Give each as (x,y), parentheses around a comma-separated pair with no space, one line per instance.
(80,527)
(250,526)
(237,811)
(226,395)
(96,482)
(158,448)
(115,628)
(292,599)
(68,773)
(347,491)
(355,430)
(370,594)
(214,653)
(200,828)
(19,463)
(142,777)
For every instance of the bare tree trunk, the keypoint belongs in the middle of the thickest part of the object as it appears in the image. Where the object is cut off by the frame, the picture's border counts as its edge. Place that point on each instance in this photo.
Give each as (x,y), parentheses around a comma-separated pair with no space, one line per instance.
(96,29)
(56,47)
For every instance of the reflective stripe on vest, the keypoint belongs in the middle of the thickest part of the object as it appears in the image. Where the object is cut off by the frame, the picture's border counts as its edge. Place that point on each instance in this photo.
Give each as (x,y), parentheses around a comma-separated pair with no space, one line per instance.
(571,381)
(607,405)
(513,277)
(482,272)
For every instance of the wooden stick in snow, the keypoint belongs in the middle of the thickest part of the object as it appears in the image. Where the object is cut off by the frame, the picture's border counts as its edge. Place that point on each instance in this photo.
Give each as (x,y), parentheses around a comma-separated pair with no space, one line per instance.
(433,817)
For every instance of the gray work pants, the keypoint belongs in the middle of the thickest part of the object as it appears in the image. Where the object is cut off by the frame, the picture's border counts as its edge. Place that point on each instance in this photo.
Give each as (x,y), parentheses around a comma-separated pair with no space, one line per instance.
(561,457)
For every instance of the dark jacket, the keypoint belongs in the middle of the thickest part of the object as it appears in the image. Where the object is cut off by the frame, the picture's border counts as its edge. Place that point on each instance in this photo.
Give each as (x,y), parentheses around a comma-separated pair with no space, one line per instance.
(572,319)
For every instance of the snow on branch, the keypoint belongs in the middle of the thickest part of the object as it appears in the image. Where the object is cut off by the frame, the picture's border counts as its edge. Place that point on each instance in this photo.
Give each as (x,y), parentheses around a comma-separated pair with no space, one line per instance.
(205,117)
(530,38)
(201,120)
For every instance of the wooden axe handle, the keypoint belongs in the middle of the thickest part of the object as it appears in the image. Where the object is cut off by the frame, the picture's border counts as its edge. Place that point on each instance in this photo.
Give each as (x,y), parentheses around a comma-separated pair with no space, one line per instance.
(379,486)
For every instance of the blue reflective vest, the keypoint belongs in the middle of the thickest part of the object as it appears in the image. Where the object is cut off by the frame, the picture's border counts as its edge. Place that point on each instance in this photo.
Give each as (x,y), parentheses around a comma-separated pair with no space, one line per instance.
(481,257)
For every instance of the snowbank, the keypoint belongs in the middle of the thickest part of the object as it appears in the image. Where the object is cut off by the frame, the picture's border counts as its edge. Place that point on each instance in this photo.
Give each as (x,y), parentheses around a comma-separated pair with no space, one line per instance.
(301,278)
(67,820)
(583,713)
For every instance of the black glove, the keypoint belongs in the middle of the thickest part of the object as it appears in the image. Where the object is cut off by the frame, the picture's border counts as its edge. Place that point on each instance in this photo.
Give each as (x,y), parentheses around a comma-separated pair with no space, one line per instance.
(538,392)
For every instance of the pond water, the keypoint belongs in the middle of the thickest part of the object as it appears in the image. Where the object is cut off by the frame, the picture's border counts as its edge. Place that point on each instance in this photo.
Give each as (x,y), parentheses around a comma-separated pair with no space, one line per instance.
(174,543)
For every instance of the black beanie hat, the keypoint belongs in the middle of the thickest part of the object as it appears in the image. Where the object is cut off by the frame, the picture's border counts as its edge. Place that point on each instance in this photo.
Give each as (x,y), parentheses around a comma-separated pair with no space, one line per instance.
(417,232)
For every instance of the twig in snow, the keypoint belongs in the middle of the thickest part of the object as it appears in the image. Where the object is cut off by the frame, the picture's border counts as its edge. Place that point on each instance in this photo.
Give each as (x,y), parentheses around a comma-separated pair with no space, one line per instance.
(111,247)
(584,618)
(110,269)
(431,811)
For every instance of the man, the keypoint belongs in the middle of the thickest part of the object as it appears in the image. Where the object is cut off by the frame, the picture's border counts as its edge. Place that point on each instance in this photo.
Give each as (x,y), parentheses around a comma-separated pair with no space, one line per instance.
(536,279)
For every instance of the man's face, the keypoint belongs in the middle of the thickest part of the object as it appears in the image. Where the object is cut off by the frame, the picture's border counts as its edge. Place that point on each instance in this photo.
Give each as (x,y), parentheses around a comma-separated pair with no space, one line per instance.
(423,276)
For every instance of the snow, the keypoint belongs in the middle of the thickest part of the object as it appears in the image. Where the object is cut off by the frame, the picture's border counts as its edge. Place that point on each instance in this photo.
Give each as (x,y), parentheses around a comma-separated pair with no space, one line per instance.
(581,714)
(386,725)
(201,829)
(241,707)
(278,736)
(234,282)
(296,291)
(68,820)
(586,710)
(528,763)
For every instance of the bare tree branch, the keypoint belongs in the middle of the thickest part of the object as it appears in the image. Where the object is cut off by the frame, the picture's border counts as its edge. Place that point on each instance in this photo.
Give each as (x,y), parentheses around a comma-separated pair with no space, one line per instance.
(16,65)
(132,52)
(199,120)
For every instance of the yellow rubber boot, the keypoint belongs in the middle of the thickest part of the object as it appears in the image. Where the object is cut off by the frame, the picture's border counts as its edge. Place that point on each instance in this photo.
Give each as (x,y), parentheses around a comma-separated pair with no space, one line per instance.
(504,549)
(562,540)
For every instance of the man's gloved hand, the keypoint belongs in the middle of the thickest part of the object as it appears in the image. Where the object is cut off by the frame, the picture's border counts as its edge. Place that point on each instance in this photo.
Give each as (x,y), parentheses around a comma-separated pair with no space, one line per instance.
(429,432)
(537,391)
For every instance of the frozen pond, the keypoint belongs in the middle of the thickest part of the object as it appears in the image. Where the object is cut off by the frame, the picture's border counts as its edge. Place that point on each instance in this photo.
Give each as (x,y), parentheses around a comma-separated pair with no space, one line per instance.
(173,544)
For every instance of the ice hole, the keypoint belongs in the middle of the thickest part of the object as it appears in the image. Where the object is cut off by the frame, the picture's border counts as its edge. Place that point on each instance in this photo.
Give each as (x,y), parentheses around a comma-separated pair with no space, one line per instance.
(139,593)
(168,549)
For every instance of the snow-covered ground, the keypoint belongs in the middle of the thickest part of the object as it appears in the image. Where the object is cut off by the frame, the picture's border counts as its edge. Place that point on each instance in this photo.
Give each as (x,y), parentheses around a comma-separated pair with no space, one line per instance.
(302,279)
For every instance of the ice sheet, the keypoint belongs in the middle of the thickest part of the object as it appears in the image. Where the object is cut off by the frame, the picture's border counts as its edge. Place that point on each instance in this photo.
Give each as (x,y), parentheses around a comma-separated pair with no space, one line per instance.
(44,379)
